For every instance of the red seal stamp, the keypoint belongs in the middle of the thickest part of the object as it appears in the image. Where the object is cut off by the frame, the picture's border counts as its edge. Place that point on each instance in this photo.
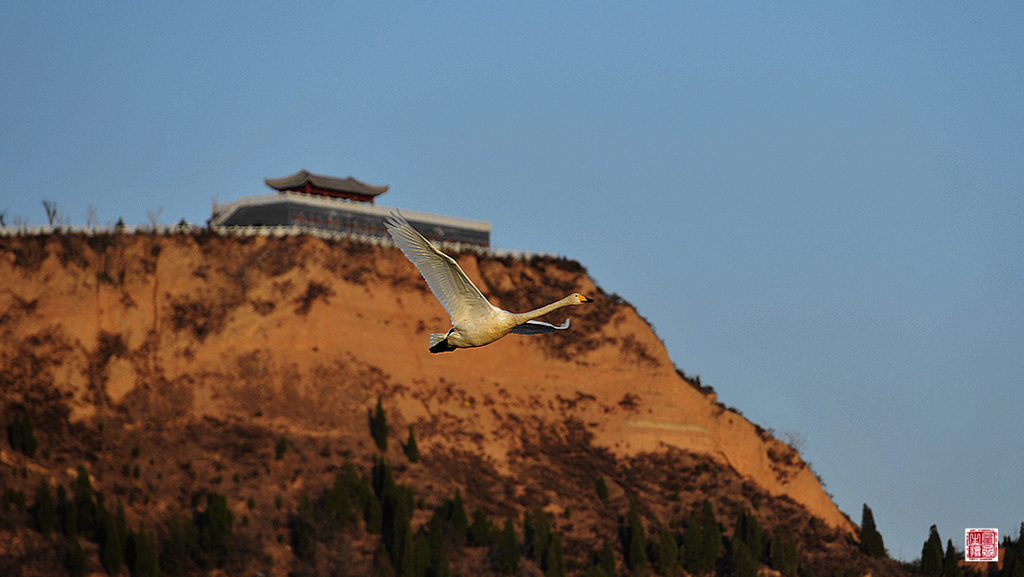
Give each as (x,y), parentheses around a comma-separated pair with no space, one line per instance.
(981,545)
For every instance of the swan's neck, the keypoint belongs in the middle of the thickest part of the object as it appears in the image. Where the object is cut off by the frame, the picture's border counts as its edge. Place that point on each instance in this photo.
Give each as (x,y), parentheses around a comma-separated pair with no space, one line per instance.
(529,316)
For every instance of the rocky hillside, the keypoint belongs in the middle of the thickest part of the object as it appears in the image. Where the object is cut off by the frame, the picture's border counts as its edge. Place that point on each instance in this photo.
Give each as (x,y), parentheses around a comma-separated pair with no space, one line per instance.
(172,367)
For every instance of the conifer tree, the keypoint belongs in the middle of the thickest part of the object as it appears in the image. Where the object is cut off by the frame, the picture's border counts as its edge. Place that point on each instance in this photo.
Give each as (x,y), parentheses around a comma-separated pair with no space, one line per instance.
(215,526)
(931,554)
(383,478)
(480,529)
(507,555)
(458,519)
(746,546)
(407,557)
(711,544)
(382,566)
(702,540)
(748,532)
(44,511)
(142,557)
(379,426)
(951,562)
(664,553)
(538,538)
(302,528)
(744,564)
(113,539)
(280,448)
(635,542)
(871,542)
(1013,560)
(440,566)
(602,490)
(606,559)
(340,501)
(179,546)
(85,505)
(693,541)
(67,513)
(21,435)
(411,449)
(784,556)
(554,557)
(76,562)
(373,516)
(422,558)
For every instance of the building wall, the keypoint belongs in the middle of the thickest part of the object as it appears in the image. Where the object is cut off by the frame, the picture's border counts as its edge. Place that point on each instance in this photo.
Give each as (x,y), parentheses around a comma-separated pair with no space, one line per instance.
(287,212)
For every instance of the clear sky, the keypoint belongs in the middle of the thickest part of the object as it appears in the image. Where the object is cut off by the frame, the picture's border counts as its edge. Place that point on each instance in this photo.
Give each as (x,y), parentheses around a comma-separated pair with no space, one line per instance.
(819,206)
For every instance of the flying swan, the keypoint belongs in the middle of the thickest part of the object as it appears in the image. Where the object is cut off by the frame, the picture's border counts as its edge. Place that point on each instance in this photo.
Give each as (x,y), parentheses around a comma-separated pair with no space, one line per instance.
(475,322)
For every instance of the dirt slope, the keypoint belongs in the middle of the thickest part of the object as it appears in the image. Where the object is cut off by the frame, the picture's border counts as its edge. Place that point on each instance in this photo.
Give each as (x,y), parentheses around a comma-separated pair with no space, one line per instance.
(305,334)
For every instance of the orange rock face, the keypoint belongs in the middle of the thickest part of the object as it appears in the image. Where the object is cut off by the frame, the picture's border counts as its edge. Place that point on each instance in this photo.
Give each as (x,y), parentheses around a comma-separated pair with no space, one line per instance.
(308,333)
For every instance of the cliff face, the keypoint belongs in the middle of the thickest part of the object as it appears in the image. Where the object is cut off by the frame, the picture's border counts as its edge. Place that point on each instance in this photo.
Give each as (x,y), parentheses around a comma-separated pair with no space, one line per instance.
(309,332)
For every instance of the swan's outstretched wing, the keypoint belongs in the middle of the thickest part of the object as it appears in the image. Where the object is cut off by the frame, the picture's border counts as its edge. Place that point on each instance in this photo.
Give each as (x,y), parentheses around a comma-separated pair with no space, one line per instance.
(539,328)
(457,294)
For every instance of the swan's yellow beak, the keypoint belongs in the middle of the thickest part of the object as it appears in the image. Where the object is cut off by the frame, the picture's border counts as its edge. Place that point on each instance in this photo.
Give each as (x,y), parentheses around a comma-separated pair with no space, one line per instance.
(584,299)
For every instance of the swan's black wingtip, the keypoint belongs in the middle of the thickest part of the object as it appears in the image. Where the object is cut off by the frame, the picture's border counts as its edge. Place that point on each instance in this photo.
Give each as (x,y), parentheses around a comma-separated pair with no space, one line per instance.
(442,347)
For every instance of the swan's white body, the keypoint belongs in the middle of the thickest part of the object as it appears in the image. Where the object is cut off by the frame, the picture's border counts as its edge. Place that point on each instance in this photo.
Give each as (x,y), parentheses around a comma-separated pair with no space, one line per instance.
(475,322)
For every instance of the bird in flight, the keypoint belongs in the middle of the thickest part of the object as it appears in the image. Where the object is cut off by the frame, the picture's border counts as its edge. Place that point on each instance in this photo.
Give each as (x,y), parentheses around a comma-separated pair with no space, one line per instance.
(475,322)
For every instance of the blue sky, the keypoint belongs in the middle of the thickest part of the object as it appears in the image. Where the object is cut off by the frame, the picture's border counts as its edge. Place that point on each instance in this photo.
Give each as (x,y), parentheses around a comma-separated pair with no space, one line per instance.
(819,206)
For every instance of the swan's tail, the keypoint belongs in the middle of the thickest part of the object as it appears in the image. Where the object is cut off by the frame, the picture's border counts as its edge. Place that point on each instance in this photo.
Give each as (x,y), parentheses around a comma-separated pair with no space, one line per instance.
(439,343)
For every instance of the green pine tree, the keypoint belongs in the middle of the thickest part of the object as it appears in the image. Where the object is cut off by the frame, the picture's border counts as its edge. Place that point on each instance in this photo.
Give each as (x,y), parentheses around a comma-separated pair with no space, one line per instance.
(480,529)
(784,556)
(931,554)
(382,566)
(114,538)
(744,562)
(507,555)
(664,553)
(554,557)
(635,542)
(407,559)
(215,526)
(748,531)
(711,538)
(302,529)
(422,558)
(373,517)
(602,490)
(44,511)
(440,566)
(951,562)
(181,543)
(606,559)
(379,426)
(143,559)
(340,500)
(21,436)
(458,519)
(411,449)
(871,542)
(86,518)
(536,535)
(77,562)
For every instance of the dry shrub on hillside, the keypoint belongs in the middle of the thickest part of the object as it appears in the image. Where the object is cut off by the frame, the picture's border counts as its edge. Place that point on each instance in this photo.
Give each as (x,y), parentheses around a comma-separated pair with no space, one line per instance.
(314,292)
(202,317)
(29,251)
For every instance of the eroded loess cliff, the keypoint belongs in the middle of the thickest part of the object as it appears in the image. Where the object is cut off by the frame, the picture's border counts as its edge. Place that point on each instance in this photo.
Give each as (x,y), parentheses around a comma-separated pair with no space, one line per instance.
(210,338)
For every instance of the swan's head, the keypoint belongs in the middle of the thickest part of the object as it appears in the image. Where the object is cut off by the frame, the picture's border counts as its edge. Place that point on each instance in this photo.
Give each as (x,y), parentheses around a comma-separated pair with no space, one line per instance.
(578,299)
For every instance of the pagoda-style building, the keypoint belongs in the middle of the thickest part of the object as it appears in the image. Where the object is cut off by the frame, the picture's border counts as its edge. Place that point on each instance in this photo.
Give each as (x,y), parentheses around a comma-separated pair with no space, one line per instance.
(345,205)
(306,182)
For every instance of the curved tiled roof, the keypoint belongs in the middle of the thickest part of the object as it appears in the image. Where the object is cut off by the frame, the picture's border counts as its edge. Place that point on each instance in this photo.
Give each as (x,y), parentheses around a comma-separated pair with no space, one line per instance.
(333,183)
